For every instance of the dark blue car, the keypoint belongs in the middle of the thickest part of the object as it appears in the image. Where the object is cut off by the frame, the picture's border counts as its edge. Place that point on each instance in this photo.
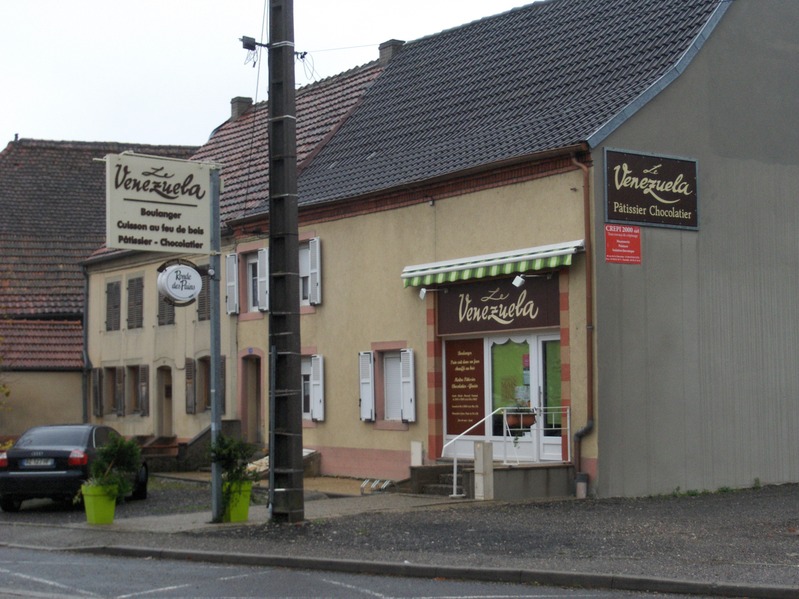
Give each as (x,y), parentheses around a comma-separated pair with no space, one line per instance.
(53,462)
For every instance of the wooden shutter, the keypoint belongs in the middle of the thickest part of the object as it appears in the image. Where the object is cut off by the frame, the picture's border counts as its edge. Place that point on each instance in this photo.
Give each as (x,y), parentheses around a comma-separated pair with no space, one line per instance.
(408,405)
(97,392)
(113,301)
(191,392)
(203,300)
(315,272)
(317,388)
(367,390)
(119,390)
(166,311)
(231,283)
(144,389)
(135,303)
(263,280)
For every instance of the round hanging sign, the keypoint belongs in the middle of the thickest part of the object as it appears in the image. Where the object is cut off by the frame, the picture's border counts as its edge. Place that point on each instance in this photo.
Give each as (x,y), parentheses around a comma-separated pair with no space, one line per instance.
(179,283)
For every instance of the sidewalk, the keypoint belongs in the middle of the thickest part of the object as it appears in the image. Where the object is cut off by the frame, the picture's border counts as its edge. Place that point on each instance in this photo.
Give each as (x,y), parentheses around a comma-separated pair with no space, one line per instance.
(740,544)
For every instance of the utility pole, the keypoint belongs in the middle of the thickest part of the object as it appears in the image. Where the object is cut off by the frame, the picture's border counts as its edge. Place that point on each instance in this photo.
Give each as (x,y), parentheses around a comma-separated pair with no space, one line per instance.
(285,425)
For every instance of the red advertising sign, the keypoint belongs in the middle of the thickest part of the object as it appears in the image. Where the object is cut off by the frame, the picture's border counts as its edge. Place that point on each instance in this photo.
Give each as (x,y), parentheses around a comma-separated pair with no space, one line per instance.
(622,244)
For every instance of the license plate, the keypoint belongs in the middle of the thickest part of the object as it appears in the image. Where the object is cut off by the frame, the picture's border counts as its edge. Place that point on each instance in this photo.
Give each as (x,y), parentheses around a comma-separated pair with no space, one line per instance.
(38,463)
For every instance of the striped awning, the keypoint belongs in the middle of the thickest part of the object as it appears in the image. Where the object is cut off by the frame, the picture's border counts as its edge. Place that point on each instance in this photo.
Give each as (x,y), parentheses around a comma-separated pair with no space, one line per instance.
(545,257)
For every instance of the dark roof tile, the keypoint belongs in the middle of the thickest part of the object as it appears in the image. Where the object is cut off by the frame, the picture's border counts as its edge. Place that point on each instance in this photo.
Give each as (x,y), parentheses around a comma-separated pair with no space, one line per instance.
(536,78)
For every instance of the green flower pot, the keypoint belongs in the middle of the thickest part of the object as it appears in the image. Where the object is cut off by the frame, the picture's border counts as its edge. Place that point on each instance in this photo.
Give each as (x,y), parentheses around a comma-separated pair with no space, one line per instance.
(237,501)
(99,503)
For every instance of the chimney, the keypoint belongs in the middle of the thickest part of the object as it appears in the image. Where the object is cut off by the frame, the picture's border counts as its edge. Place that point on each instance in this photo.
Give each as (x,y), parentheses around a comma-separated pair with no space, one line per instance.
(389,50)
(239,106)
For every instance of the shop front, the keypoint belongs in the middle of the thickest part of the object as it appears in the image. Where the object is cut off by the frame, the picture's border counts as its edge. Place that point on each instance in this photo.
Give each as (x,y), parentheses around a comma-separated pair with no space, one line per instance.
(503,356)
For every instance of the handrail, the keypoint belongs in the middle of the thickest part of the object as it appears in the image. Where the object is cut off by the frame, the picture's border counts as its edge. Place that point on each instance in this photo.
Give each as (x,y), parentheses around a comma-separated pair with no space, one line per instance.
(505,432)
(455,459)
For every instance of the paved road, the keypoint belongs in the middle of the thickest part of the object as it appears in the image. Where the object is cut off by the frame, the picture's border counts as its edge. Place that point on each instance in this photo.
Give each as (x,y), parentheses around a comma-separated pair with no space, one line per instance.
(743,543)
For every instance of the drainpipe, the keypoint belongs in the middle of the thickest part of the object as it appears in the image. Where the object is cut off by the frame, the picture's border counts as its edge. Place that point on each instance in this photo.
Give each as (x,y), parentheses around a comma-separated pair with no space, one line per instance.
(582,477)
(87,365)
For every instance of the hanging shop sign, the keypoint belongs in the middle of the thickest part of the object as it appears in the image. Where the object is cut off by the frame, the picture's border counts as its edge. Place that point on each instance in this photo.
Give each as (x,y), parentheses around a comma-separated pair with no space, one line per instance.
(497,305)
(157,204)
(650,190)
(180,283)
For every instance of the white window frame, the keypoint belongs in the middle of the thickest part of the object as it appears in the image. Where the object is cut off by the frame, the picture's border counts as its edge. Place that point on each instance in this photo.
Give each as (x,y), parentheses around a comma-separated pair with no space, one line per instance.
(398,385)
(257,277)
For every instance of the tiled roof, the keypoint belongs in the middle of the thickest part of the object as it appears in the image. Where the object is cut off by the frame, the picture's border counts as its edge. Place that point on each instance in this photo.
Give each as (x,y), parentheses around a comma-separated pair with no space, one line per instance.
(241,145)
(41,344)
(52,201)
(542,77)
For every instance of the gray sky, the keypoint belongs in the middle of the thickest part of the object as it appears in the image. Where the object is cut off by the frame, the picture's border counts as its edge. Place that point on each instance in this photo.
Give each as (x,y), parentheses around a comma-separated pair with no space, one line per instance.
(164,71)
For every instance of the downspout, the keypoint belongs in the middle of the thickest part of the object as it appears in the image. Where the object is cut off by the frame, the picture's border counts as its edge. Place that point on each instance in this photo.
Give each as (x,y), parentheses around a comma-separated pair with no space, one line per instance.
(87,366)
(582,477)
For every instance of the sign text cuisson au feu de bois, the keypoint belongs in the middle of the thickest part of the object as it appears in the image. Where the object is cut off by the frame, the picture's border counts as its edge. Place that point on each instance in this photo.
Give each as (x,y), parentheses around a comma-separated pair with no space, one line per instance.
(157,204)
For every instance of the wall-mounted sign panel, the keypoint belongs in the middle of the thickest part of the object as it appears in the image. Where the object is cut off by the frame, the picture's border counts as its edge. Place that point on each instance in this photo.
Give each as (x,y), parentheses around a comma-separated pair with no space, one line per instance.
(497,305)
(158,204)
(650,190)
(623,244)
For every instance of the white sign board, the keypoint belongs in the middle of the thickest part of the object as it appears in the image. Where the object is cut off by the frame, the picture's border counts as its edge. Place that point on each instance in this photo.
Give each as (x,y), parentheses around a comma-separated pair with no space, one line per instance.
(181,284)
(156,204)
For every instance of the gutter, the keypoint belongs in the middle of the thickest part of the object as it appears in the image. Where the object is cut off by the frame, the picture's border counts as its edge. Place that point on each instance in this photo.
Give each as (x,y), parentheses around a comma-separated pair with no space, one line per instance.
(87,366)
(582,477)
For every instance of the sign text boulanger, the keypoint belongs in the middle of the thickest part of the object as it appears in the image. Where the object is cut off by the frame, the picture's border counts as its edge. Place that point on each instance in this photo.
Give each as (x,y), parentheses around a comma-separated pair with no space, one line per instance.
(157,204)
(650,190)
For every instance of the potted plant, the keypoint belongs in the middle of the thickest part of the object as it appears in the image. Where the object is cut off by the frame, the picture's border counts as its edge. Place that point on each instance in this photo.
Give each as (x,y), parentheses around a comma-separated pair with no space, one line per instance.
(111,476)
(232,455)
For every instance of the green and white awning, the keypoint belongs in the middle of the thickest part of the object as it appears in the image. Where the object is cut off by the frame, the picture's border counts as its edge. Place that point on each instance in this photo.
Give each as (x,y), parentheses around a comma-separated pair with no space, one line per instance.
(544,257)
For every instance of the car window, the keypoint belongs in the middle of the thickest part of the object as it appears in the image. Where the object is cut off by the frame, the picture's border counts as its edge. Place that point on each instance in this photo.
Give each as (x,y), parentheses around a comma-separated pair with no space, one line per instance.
(54,436)
(101,436)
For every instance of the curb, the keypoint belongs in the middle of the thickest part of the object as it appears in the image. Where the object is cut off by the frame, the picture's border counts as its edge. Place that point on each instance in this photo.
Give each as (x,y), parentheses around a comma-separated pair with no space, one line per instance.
(411,570)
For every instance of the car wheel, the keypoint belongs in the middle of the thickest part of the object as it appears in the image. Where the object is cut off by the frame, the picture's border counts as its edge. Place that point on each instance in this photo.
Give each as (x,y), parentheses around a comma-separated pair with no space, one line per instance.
(10,504)
(140,488)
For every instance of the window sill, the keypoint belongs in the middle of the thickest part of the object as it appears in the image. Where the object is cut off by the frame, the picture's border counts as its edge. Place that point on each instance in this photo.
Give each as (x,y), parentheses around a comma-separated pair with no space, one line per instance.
(391,425)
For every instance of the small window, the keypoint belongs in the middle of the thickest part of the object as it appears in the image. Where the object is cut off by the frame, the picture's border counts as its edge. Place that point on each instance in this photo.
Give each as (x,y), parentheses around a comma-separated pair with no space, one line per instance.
(132,389)
(113,305)
(258,281)
(135,303)
(387,386)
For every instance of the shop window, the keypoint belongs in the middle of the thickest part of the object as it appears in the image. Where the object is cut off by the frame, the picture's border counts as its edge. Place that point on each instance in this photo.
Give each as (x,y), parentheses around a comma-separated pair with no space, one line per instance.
(313,393)
(113,305)
(387,386)
(136,303)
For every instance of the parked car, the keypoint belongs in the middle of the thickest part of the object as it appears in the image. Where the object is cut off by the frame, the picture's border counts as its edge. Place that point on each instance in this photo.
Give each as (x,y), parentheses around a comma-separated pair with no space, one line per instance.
(53,462)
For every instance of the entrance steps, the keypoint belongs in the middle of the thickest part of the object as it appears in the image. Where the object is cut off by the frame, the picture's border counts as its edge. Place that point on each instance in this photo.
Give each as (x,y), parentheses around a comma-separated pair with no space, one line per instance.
(523,481)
